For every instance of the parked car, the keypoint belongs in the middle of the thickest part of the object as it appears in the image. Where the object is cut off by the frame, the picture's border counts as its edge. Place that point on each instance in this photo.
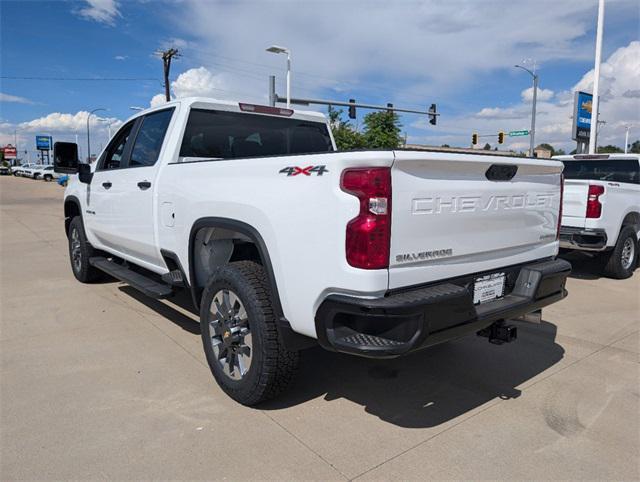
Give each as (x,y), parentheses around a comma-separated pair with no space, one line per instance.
(601,209)
(285,242)
(46,173)
(17,170)
(4,170)
(32,171)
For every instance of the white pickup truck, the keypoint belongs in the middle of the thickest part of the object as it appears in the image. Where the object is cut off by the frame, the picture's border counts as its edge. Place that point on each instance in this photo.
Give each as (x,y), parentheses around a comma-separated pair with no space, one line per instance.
(601,209)
(285,242)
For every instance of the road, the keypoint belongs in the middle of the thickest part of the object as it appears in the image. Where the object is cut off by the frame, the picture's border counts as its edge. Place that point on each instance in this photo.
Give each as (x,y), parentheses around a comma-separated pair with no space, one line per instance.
(99,382)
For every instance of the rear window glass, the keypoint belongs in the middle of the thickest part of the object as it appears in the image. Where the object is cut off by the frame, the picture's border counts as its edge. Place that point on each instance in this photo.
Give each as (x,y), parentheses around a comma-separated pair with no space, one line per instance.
(227,135)
(619,170)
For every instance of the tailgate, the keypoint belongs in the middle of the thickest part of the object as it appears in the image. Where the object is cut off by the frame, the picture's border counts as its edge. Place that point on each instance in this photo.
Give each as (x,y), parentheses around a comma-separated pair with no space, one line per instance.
(449,219)
(574,205)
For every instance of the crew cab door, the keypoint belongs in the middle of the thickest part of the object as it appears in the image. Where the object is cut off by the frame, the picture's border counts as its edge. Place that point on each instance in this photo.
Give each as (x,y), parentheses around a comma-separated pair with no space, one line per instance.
(130,225)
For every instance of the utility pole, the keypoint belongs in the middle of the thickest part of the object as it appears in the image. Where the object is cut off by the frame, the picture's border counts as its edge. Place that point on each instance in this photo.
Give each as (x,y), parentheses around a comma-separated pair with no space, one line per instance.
(167,55)
(532,133)
(595,103)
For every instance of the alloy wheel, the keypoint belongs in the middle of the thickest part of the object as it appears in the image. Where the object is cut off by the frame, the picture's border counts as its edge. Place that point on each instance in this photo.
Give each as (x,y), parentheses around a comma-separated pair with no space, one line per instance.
(230,334)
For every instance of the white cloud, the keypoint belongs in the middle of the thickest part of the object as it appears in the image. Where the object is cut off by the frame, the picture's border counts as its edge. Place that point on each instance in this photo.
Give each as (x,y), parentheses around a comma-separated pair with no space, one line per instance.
(619,107)
(157,100)
(543,94)
(62,122)
(14,98)
(121,57)
(201,82)
(102,11)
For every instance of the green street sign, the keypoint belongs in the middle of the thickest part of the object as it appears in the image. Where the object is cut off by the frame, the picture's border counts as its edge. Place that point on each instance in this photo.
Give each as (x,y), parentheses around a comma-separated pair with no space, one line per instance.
(518,133)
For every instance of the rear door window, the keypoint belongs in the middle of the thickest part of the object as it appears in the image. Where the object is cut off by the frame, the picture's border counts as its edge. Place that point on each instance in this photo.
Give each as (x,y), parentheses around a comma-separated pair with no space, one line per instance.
(227,135)
(614,170)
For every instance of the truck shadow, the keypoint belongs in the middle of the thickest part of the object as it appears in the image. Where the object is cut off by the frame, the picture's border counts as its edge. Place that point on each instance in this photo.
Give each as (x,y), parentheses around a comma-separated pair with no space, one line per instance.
(424,389)
(583,266)
(430,387)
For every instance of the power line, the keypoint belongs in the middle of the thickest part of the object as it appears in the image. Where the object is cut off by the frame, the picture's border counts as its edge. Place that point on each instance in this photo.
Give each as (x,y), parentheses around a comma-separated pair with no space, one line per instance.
(125,79)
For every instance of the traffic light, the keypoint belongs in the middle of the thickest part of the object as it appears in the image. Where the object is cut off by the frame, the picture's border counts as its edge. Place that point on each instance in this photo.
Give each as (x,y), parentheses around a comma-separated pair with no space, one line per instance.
(352,109)
(474,138)
(500,137)
(432,115)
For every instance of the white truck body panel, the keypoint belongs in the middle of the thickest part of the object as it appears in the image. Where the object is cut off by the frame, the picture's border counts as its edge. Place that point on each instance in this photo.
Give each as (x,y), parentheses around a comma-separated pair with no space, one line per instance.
(619,200)
(444,202)
(302,219)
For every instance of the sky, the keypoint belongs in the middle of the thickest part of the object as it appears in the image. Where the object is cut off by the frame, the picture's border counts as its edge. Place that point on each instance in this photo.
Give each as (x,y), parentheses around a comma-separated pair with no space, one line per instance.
(56,57)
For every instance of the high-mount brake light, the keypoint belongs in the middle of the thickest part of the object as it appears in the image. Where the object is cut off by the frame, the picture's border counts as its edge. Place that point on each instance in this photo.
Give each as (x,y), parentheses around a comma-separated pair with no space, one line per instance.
(368,235)
(594,207)
(265,109)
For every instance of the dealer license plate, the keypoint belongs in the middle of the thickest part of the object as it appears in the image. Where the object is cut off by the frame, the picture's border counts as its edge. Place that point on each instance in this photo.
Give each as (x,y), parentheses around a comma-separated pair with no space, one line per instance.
(488,288)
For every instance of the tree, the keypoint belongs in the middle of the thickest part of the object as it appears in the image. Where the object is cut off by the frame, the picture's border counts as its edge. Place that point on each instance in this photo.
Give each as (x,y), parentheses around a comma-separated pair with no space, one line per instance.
(445,145)
(487,147)
(346,137)
(382,130)
(560,152)
(547,147)
(635,147)
(609,149)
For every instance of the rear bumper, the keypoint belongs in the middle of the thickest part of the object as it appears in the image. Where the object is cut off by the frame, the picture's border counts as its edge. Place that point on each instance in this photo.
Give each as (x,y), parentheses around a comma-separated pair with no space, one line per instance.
(405,321)
(583,238)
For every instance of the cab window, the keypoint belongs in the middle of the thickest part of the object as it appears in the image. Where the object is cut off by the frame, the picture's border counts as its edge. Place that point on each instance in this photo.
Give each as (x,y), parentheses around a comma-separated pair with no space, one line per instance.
(149,138)
(113,156)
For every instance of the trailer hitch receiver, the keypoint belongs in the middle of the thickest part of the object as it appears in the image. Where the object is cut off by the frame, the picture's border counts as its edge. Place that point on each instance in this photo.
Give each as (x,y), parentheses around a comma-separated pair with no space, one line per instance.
(499,333)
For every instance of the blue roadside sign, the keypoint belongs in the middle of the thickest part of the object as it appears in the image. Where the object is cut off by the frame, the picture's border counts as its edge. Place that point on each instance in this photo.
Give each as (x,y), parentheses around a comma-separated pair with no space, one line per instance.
(44,143)
(582,108)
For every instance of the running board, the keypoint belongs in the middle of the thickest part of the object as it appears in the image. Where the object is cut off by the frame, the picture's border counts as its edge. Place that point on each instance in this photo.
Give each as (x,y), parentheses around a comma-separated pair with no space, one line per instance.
(142,283)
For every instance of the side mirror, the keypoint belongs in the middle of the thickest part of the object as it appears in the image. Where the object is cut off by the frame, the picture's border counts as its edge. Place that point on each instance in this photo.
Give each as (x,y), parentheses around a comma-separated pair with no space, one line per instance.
(84,173)
(65,157)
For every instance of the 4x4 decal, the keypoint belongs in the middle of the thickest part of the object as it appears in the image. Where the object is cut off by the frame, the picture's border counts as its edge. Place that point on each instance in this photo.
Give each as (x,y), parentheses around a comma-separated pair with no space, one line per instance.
(307,171)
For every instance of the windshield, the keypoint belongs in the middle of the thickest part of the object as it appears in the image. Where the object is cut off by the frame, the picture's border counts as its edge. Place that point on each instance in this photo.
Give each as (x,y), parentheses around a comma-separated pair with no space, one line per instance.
(228,135)
(616,170)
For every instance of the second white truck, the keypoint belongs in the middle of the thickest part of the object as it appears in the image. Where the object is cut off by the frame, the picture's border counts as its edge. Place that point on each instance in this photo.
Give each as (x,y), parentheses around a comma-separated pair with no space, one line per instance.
(601,212)
(284,242)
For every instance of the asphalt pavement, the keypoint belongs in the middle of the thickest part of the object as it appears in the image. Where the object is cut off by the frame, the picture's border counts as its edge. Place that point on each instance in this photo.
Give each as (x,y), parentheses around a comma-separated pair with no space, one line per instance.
(99,382)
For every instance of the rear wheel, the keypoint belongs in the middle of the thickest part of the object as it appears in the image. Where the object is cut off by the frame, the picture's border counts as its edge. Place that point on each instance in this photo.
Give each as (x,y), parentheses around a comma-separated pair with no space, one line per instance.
(621,261)
(240,337)
(79,253)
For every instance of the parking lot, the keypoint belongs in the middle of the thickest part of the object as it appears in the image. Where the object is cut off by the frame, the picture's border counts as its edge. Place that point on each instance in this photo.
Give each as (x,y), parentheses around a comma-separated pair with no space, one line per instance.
(98,381)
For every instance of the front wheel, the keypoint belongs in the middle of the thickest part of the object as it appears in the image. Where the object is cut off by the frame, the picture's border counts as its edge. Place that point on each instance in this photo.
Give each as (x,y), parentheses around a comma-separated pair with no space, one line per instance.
(621,261)
(240,337)
(79,253)
(48,177)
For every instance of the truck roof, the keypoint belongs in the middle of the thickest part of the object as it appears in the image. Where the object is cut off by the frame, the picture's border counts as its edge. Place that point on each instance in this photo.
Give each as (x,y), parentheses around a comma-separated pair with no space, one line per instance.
(231,106)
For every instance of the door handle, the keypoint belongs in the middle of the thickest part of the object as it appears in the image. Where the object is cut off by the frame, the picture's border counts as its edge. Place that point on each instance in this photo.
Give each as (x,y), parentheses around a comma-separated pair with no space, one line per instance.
(107,185)
(144,185)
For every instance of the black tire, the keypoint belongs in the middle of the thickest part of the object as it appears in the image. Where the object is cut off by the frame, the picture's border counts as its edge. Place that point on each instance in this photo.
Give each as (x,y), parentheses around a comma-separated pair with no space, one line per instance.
(35,176)
(48,177)
(272,366)
(615,266)
(83,271)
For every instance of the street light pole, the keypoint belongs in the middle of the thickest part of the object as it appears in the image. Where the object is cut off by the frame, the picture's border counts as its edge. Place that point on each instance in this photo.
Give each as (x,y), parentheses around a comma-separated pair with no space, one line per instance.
(626,139)
(275,49)
(532,134)
(88,135)
(595,103)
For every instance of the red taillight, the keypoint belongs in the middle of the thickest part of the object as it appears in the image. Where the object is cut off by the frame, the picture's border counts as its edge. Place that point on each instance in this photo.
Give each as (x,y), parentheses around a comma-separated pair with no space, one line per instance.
(594,208)
(369,233)
(561,201)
